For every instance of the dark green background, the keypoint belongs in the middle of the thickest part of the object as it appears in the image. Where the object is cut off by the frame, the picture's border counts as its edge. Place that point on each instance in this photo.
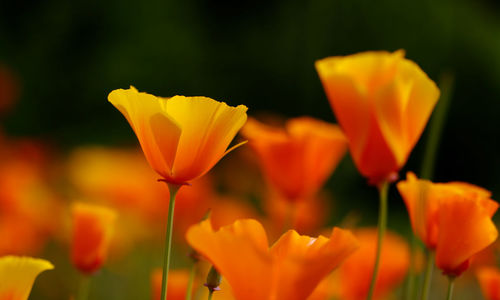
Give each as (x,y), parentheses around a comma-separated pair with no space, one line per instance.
(70,54)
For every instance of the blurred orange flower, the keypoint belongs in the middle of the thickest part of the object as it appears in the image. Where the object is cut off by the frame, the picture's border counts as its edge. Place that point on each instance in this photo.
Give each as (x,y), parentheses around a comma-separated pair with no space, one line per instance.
(177,284)
(121,178)
(92,231)
(489,281)
(17,275)
(354,275)
(290,269)
(299,158)
(9,89)
(454,219)
(382,102)
(181,137)
(306,216)
(29,208)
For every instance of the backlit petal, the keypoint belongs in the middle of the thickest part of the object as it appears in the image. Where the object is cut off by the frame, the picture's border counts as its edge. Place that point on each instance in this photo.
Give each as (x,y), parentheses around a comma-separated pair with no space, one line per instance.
(465,228)
(208,128)
(239,252)
(17,275)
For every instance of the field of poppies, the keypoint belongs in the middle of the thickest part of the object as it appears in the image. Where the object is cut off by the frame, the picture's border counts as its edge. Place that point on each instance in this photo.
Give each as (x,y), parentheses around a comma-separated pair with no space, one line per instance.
(311,172)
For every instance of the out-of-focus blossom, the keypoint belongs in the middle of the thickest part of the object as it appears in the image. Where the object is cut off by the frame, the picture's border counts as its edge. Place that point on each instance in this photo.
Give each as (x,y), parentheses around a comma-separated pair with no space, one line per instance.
(290,269)
(29,208)
(299,158)
(454,219)
(382,102)
(9,89)
(489,281)
(121,178)
(306,216)
(17,275)
(92,232)
(181,137)
(193,203)
(352,279)
(176,287)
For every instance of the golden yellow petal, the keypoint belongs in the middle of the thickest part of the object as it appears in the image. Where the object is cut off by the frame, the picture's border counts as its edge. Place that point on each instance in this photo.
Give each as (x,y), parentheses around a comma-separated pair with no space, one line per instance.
(156,131)
(17,275)
(208,126)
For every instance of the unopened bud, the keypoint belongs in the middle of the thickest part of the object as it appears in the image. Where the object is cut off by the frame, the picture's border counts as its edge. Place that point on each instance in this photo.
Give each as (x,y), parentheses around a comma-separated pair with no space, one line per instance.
(213,280)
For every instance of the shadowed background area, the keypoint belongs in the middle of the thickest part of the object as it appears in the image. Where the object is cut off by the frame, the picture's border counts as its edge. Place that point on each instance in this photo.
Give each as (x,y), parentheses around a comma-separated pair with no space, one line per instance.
(68,55)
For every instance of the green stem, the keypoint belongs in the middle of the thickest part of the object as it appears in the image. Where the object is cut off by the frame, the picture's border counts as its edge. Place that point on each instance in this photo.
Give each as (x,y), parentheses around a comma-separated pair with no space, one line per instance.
(210,295)
(173,188)
(192,275)
(428,276)
(83,290)
(382,224)
(410,281)
(450,288)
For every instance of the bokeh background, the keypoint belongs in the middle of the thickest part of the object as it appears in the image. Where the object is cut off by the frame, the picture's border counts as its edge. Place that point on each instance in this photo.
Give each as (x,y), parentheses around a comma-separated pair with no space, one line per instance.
(64,57)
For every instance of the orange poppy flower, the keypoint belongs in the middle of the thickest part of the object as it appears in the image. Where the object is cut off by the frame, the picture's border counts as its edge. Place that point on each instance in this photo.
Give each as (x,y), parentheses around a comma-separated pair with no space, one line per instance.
(92,231)
(306,216)
(382,102)
(290,269)
(177,284)
(299,158)
(355,274)
(489,281)
(181,137)
(29,208)
(120,177)
(454,219)
(17,275)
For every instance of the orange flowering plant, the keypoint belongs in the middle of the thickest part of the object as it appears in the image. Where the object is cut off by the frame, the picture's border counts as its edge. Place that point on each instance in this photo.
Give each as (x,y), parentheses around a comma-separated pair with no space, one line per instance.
(93,227)
(17,275)
(181,137)
(297,159)
(290,269)
(489,281)
(355,273)
(382,102)
(452,219)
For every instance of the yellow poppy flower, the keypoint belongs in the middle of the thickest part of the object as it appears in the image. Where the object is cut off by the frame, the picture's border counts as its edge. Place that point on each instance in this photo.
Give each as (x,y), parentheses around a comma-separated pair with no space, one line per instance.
(181,137)
(17,275)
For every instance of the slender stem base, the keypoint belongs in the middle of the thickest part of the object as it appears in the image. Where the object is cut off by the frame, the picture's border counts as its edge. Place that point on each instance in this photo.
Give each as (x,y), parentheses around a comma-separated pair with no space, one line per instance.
(173,189)
(83,290)
(450,288)
(210,295)
(382,224)
(410,281)
(192,275)
(428,276)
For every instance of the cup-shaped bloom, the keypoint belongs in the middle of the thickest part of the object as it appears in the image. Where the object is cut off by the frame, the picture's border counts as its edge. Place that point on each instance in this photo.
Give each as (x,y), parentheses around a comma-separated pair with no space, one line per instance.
(17,275)
(489,281)
(290,269)
(454,219)
(382,102)
(181,137)
(354,276)
(297,159)
(93,227)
